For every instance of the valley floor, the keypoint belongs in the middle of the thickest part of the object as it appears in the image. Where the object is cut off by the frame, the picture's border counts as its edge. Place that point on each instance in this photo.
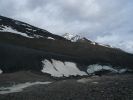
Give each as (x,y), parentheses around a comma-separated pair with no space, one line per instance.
(110,87)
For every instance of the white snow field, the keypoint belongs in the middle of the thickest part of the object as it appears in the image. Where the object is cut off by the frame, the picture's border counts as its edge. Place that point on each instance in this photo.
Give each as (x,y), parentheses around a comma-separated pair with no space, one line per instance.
(59,69)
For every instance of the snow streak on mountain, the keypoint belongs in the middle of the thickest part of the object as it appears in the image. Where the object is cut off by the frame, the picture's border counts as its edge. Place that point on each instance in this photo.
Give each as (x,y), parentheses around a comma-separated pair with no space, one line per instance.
(26,30)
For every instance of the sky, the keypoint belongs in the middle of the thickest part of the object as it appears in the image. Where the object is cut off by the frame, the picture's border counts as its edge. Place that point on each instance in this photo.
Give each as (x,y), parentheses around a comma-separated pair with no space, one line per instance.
(104,21)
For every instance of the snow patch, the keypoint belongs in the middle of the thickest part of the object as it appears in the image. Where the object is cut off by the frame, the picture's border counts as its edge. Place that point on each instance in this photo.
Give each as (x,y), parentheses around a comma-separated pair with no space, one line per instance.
(94,43)
(124,70)
(68,36)
(20,87)
(84,80)
(105,45)
(38,36)
(26,25)
(75,38)
(34,30)
(18,23)
(9,29)
(72,38)
(49,68)
(51,38)
(29,29)
(94,68)
(1,71)
(59,69)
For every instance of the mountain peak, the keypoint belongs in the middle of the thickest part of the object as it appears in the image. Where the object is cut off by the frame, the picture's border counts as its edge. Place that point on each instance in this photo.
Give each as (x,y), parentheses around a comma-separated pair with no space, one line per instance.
(68,36)
(71,37)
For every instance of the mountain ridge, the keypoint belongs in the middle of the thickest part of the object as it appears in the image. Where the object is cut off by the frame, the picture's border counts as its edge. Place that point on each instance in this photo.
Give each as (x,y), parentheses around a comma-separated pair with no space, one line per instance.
(28,53)
(25,28)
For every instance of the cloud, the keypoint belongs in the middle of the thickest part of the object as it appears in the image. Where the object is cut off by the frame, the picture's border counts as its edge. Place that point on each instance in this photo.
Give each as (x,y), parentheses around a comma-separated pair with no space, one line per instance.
(117,40)
(105,21)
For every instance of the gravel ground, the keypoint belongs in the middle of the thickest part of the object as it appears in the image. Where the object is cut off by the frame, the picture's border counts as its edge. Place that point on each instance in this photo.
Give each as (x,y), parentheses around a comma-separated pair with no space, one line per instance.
(110,87)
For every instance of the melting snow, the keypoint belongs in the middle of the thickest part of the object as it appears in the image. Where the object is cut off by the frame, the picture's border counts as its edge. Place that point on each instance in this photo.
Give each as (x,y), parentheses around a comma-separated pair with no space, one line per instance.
(19,87)
(94,68)
(9,29)
(59,69)
(123,70)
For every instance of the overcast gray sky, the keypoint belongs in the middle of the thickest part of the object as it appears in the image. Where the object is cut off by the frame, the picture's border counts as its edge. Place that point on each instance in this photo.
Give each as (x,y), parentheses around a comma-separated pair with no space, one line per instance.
(104,21)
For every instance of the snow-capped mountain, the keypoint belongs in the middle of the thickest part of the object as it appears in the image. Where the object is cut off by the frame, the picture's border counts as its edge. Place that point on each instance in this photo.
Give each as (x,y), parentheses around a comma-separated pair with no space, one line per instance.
(24,29)
(67,36)
(71,37)
(78,38)
(25,47)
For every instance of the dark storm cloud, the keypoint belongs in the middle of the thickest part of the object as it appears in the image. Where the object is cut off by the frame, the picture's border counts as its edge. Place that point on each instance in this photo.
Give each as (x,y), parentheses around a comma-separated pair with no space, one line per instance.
(105,21)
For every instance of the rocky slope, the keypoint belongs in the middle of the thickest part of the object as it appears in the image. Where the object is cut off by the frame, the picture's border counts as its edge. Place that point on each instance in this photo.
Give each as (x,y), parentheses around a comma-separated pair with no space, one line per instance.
(25,47)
